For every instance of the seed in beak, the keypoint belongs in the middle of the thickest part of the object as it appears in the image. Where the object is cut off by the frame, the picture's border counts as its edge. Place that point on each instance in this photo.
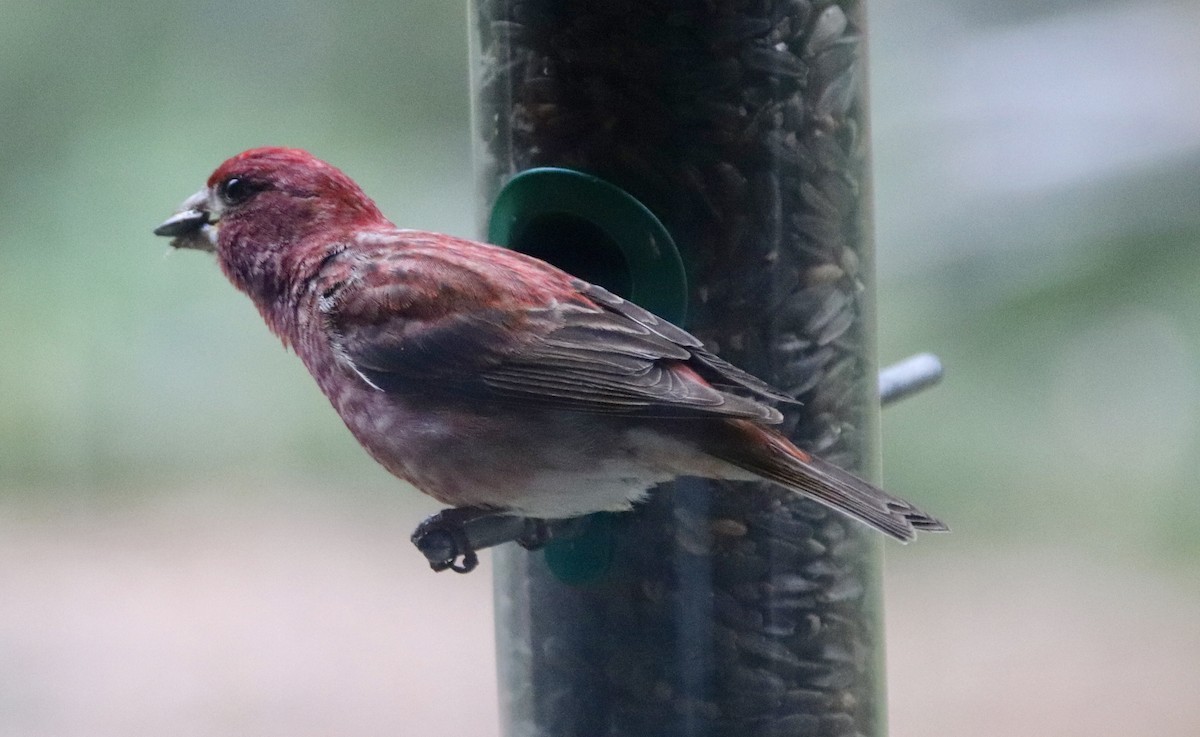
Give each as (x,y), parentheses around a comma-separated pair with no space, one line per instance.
(182,223)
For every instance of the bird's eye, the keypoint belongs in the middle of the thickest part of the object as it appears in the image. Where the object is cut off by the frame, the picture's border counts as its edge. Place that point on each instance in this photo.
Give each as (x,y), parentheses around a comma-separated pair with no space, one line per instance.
(235,190)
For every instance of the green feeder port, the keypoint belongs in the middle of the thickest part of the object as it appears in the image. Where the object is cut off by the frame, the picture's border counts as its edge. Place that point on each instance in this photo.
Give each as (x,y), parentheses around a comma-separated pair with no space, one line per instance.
(596,231)
(602,234)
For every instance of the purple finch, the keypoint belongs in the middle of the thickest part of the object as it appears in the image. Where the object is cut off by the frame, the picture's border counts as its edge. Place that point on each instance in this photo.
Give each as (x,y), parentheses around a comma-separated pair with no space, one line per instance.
(486,378)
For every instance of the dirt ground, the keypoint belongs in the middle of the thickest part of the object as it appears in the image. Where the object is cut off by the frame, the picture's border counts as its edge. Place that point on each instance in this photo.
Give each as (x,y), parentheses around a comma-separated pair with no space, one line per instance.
(282,615)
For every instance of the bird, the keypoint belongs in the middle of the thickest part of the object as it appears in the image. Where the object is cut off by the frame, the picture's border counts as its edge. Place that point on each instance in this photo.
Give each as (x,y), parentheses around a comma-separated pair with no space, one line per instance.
(488,379)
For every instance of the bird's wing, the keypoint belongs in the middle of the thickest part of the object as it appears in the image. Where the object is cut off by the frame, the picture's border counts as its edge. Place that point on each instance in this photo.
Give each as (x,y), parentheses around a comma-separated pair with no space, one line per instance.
(483,322)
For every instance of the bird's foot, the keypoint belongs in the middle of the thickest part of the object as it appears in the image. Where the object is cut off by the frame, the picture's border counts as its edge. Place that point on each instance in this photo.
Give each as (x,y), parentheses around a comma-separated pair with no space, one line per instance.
(452,537)
(442,538)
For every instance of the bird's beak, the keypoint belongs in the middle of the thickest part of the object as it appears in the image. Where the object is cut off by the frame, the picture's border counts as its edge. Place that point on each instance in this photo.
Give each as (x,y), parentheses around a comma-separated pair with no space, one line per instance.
(192,225)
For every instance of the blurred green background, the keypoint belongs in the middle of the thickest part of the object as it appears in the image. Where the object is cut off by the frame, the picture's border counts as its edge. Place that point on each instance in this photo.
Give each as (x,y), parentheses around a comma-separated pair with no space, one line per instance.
(190,542)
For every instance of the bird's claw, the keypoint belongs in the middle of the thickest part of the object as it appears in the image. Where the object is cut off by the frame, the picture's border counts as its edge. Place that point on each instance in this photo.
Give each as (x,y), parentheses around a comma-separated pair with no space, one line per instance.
(469,561)
(452,538)
(443,540)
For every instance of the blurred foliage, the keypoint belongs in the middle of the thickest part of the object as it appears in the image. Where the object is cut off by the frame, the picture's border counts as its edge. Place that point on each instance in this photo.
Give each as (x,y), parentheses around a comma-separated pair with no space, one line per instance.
(1057,280)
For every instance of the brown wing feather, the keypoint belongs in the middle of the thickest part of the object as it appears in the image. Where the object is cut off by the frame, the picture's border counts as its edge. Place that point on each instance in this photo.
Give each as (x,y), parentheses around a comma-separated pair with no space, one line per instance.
(764,452)
(407,318)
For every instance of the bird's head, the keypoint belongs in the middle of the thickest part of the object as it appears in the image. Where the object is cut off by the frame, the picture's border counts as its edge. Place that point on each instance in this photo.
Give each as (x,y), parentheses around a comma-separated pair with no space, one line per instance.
(275,195)
(267,213)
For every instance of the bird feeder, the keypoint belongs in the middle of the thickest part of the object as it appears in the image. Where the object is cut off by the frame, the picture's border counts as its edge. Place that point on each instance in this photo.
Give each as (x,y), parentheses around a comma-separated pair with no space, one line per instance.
(707,160)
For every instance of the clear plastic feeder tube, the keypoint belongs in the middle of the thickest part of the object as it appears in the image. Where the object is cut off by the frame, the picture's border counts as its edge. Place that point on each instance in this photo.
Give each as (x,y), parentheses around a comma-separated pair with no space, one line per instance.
(715,608)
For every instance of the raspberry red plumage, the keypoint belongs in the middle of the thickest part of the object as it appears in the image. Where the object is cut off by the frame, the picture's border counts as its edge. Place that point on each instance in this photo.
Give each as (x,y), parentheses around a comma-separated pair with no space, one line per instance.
(485,377)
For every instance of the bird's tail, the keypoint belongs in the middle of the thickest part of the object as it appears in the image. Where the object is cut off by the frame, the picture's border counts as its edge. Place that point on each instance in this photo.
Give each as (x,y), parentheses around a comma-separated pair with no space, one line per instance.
(768,454)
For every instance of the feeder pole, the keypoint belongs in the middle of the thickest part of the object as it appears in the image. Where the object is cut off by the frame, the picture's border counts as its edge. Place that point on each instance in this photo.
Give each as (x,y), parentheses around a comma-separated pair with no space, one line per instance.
(740,127)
